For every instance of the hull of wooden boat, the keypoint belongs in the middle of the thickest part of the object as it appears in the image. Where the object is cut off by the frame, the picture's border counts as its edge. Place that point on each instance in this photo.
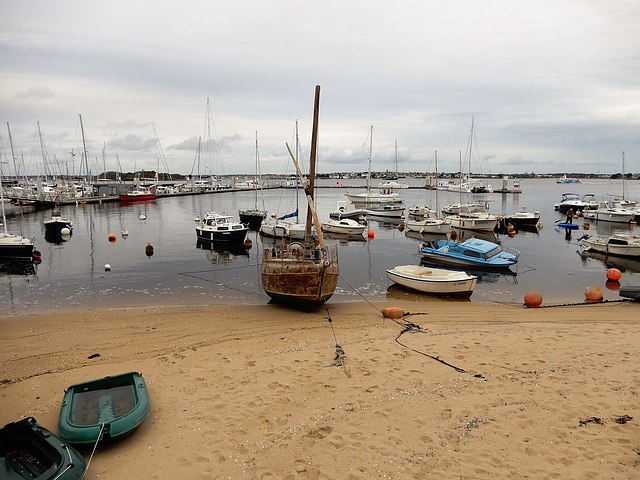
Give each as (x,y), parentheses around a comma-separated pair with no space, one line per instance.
(433,281)
(15,247)
(107,408)
(303,283)
(221,236)
(425,226)
(480,224)
(28,450)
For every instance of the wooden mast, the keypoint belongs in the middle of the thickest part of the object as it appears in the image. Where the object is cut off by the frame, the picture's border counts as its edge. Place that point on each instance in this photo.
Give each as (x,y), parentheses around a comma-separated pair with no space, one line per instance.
(312,160)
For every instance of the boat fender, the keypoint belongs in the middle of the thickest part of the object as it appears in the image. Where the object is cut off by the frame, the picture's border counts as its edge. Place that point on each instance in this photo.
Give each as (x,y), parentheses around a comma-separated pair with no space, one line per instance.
(326,263)
(392,312)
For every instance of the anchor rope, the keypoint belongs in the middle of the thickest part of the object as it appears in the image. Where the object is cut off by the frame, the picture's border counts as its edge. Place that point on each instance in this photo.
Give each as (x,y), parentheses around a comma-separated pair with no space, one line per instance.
(94,450)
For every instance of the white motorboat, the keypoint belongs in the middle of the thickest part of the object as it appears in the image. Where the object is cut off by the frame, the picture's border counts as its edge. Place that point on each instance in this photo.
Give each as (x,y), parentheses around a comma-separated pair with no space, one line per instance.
(281,228)
(221,229)
(344,226)
(348,210)
(607,212)
(428,223)
(621,244)
(433,280)
(473,217)
(387,210)
(574,202)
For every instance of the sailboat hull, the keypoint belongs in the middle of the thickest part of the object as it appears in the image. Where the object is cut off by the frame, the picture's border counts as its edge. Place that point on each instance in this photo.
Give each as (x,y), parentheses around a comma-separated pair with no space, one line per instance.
(299,280)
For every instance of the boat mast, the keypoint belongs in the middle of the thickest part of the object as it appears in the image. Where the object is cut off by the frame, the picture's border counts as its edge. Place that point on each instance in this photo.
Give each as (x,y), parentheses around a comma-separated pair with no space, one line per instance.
(312,163)
(370,150)
(624,180)
(255,185)
(84,147)
(13,154)
(297,182)
(437,213)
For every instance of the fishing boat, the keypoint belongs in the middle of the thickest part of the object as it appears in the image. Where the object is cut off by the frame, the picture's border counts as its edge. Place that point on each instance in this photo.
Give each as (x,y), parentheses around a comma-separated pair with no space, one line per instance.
(344,226)
(57,225)
(474,252)
(137,194)
(435,281)
(30,451)
(302,275)
(13,247)
(219,228)
(107,408)
(370,197)
(254,217)
(620,244)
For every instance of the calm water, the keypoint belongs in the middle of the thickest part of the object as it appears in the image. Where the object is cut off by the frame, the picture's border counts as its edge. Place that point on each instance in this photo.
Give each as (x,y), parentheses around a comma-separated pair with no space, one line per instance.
(72,274)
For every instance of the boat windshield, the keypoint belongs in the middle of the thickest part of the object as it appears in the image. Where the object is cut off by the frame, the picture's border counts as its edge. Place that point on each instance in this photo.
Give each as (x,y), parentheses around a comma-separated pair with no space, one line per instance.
(493,253)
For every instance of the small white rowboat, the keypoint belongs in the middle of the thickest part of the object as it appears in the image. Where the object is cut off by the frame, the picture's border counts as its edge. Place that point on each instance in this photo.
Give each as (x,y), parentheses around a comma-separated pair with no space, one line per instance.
(433,280)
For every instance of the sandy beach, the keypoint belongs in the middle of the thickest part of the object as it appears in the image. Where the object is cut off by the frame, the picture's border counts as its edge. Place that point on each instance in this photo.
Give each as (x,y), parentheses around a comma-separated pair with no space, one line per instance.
(467,391)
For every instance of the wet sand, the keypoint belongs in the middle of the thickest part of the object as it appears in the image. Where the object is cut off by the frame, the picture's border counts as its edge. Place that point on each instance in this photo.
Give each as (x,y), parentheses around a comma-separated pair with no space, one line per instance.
(468,391)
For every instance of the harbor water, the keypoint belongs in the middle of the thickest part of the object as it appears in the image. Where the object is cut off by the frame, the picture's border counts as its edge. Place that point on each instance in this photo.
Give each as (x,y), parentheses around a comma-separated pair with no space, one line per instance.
(72,274)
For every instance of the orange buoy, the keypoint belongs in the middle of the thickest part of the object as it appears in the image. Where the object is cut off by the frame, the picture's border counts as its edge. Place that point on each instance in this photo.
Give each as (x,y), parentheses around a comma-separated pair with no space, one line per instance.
(370,233)
(392,312)
(593,293)
(614,274)
(148,250)
(112,237)
(401,227)
(586,226)
(613,285)
(453,234)
(248,244)
(533,299)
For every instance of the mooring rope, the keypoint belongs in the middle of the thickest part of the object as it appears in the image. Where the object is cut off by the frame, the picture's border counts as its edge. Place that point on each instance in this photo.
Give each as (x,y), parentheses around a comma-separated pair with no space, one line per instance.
(94,451)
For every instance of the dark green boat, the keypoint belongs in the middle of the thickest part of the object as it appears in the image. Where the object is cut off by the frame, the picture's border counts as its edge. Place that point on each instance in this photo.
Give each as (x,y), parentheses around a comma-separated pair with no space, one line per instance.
(30,451)
(107,408)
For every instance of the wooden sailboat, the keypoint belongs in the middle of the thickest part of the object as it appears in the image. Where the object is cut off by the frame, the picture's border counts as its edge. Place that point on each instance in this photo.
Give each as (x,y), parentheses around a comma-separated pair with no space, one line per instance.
(254,217)
(302,275)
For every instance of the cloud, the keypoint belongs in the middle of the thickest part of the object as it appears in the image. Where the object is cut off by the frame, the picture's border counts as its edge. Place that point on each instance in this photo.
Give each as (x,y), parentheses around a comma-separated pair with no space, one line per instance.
(36,92)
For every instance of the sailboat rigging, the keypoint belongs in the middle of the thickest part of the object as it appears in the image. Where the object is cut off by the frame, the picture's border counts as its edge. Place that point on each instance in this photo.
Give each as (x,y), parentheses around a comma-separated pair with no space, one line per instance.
(254,217)
(369,197)
(302,275)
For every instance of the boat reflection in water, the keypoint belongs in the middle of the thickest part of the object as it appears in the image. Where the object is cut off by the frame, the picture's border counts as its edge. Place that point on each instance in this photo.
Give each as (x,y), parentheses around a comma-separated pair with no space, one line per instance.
(18,268)
(624,264)
(222,252)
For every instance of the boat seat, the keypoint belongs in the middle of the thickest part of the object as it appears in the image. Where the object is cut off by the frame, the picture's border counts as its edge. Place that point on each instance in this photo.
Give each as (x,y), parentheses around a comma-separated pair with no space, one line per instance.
(106,413)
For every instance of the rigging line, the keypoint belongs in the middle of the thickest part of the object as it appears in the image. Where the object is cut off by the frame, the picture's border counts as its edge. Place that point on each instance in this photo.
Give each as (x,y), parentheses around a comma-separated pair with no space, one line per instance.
(218,269)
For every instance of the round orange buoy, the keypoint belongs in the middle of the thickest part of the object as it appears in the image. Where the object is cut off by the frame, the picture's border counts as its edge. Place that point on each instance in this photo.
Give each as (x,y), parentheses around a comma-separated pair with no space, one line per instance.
(586,226)
(533,299)
(36,254)
(370,233)
(148,250)
(392,312)
(112,237)
(401,227)
(613,285)
(593,293)
(248,244)
(453,234)
(614,274)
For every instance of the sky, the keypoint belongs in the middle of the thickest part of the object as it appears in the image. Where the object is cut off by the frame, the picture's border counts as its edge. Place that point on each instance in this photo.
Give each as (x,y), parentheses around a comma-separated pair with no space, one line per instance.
(549,86)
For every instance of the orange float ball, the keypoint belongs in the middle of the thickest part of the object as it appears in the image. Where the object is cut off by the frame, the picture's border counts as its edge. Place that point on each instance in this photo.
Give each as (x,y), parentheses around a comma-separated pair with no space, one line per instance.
(614,274)
(533,299)
(593,293)
(370,233)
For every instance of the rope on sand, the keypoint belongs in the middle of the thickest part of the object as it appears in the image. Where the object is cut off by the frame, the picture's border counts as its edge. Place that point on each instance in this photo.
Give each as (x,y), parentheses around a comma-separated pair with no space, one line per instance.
(408,327)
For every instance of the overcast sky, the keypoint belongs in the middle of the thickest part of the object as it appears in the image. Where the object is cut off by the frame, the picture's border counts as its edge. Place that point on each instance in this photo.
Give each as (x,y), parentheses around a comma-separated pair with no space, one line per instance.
(552,85)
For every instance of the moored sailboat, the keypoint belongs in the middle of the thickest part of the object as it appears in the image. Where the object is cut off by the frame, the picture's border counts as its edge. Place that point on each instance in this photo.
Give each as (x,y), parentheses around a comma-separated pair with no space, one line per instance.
(302,275)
